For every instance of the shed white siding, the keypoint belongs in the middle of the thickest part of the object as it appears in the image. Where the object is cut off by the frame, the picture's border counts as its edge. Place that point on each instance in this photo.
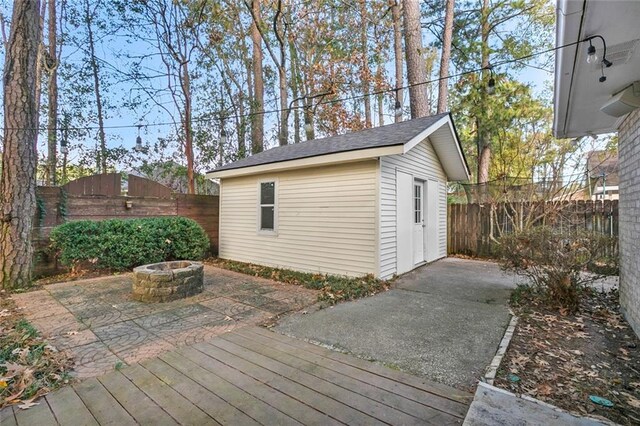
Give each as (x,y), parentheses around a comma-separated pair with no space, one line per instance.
(423,163)
(326,219)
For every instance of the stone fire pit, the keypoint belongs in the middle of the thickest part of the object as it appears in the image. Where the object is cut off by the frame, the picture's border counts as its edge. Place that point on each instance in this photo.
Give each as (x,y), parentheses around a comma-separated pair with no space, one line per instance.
(167,281)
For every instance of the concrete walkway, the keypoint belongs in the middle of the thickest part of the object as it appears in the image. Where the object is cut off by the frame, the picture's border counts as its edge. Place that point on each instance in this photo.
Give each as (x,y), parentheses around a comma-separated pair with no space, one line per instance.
(443,322)
(250,376)
(98,323)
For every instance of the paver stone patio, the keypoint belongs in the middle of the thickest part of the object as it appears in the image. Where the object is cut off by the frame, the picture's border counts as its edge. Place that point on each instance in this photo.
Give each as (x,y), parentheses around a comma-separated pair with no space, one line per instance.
(102,327)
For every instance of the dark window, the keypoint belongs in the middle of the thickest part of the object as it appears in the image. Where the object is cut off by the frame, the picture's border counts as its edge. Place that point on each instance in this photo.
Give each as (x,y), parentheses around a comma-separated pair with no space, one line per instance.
(267,205)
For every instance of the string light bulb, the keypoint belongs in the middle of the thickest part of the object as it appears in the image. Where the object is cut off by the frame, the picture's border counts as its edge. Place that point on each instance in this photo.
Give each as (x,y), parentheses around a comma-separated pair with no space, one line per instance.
(223,135)
(398,107)
(307,125)
(139,147)
(491,86)
(591,54)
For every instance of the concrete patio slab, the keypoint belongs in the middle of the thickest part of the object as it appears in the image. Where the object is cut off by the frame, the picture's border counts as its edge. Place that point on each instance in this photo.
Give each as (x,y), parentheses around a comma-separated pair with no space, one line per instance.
(443,321)
(98,322)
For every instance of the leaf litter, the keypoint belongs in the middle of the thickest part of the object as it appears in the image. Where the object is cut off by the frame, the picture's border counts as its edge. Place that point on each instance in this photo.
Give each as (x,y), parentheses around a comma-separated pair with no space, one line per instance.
(29,366)
(572,360)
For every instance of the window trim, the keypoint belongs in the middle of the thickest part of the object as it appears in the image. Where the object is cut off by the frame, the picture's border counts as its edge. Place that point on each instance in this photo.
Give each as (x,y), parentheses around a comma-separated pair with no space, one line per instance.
(267,232)
(418,201)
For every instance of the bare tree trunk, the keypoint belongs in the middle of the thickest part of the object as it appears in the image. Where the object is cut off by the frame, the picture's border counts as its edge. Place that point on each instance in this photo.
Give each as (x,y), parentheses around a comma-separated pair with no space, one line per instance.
(396,13)
(101,159)
(308,119)
(380,96)
(188,133)
(416,72)
(257,118)
(365,72)
(51,64)
(484,142)
(445,57)
(282,79)
(38,83)
(18,184)
(295,89)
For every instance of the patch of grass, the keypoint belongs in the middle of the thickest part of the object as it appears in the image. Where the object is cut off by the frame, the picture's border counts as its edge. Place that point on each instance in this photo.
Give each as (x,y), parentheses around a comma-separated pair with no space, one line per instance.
(333,288)
(29,366)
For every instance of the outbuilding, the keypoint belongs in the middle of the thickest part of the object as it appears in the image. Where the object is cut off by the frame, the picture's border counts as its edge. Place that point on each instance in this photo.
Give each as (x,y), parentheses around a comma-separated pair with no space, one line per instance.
(366,202)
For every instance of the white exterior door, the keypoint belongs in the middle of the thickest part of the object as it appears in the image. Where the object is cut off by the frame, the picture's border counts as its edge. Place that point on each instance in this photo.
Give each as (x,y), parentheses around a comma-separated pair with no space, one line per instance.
(404,222)
(418,222)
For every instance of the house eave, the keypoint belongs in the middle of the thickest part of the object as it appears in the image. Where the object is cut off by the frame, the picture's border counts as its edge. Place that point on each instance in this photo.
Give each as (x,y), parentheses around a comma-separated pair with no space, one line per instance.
(320,160)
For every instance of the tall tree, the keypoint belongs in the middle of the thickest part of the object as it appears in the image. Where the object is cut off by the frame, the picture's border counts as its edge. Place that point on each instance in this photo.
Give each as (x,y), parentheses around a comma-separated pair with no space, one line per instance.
(175,28)
(279,60)
(18,184)
(396,13)
(257,110)
(416,72)
(51,65)
(445,57)
(90,9)
(493,32)
(365,71)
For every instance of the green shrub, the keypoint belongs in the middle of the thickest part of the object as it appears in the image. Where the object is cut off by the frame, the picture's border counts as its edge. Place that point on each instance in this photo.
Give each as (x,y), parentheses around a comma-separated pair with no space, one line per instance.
(119,244)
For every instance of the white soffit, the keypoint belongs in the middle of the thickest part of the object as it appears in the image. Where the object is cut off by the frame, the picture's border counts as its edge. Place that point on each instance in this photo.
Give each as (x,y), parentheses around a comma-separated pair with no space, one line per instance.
(578,93)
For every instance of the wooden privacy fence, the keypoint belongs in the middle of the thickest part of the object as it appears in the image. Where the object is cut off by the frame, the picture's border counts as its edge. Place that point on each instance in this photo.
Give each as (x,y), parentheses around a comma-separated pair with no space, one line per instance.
(97,201)
(473,228)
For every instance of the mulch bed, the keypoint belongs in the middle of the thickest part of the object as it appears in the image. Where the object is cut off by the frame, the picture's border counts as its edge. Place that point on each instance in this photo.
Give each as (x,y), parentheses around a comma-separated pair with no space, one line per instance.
(566,359)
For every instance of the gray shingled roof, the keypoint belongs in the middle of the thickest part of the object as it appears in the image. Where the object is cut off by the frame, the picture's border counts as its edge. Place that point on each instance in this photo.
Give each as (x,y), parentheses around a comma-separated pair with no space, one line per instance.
(389,135)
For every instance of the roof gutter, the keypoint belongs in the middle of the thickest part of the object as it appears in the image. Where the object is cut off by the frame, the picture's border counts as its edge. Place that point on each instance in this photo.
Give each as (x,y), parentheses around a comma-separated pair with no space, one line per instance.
(570,13)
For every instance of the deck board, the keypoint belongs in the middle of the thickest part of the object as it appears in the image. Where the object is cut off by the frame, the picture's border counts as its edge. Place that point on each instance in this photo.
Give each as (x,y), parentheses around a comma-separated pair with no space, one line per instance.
(68,408)
(247,403)
(221,411)
(6,417)
(294,359)
(406,379)
(250,376)
(102,405)
(311,402)
(374,412)
(37,415)
(176,405)
(137,403)
(301,350)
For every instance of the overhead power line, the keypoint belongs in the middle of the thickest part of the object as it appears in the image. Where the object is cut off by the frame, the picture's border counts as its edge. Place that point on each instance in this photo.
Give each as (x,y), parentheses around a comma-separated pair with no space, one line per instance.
(324,102)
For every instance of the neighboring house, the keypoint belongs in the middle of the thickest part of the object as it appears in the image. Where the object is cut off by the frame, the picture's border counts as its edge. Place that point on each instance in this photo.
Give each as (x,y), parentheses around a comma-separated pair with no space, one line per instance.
(368,202)
(581,100)
(602,175)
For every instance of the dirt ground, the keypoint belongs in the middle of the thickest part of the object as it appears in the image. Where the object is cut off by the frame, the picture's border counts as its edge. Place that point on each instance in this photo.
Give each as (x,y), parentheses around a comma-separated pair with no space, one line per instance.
(573,360)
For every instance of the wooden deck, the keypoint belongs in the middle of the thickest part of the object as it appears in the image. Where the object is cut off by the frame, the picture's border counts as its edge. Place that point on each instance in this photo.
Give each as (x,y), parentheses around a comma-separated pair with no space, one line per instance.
(250,376)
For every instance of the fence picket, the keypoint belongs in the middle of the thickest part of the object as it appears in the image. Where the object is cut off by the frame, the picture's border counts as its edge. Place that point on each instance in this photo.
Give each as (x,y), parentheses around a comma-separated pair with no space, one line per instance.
(471,229)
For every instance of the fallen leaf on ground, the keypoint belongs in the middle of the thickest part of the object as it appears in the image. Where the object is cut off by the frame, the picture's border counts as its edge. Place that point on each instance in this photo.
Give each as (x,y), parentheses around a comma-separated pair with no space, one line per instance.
(544,390)
(27,404)
(632,400)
